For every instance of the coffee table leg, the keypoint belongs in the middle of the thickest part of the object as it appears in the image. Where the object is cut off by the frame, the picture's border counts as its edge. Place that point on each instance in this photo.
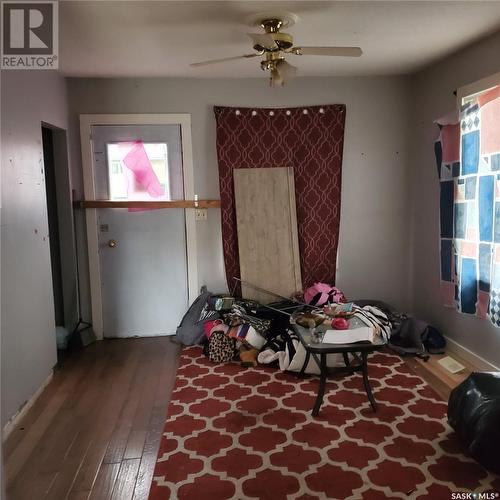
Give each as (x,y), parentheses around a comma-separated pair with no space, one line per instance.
(304,366)
(322,384)
(346,359)
(366,382)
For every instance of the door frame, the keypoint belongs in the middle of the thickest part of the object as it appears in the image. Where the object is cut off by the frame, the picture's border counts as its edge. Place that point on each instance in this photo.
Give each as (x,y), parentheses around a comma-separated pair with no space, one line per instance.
(87,121)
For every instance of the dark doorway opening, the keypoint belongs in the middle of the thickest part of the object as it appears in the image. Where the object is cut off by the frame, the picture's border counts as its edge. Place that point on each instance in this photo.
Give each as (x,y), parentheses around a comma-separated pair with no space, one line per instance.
(53,220)
(61,236)
(71,331)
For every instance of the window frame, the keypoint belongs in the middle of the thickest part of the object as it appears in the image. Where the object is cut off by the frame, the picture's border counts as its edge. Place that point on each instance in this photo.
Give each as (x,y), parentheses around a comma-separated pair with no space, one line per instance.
(168,194)
(477,87)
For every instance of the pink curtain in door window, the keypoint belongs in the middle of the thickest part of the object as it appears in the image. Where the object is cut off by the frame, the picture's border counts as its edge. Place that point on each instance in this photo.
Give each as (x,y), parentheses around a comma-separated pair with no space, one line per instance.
(142,181)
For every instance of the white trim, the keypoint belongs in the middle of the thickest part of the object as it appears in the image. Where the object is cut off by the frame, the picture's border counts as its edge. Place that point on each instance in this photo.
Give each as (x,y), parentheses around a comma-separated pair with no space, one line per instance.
(453,347)
(17,417)
(477,87)
(86,123)
(190,213)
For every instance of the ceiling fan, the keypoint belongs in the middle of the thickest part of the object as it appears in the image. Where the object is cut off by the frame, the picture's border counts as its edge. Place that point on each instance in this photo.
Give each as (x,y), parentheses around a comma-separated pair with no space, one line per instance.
(274,45)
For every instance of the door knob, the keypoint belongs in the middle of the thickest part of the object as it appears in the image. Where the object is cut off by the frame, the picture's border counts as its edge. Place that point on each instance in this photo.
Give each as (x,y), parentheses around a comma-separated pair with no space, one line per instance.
(112,243)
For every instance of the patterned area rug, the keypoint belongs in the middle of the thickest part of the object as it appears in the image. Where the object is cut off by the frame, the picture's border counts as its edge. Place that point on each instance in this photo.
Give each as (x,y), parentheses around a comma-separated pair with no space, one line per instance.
(236,432)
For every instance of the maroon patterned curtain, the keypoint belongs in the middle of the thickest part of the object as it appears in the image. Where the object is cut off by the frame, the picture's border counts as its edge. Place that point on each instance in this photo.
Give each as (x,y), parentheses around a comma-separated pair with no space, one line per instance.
(309,139)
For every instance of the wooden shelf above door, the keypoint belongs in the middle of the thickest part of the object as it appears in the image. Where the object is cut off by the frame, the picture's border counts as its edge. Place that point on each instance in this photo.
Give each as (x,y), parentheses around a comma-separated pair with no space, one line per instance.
(148,204)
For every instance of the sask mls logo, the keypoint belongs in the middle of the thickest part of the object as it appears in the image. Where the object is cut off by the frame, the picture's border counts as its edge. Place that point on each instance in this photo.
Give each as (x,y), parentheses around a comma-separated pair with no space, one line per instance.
(29,35)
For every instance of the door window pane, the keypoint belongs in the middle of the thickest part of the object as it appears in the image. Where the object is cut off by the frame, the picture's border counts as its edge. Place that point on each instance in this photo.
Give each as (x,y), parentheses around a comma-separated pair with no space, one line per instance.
(138,171)
(163,148)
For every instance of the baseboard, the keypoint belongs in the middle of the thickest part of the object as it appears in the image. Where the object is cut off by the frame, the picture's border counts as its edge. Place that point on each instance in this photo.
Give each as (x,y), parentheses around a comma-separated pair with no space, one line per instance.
(153,336)
(467,355)
(15,419)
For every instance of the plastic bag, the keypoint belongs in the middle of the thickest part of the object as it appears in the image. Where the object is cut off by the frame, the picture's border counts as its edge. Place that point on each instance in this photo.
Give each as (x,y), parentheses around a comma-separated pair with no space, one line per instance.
(474,413)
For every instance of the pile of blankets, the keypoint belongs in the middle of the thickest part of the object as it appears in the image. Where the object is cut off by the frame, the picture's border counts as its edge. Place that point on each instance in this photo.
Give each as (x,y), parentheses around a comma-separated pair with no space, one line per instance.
(262,334)
(229,327)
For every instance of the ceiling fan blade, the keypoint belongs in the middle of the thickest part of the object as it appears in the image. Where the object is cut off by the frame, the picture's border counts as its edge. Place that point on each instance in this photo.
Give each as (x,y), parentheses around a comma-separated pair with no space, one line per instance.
(286,70)
(263,40)
(327,51)
(224,59)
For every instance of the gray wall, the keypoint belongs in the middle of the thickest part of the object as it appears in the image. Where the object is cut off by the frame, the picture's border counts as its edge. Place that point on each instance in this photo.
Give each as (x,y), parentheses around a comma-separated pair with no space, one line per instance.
(433,98)
(374,237)
(27,316)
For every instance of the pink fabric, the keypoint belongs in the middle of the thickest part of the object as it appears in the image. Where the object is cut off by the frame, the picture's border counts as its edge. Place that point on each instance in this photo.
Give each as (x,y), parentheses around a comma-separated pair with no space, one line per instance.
(448,294)
(489,96)
(207,327)
(468,249)
(142,182)
(450,138)
(215,325)
(145,178)
(328,293)
(490,118)
(483,301)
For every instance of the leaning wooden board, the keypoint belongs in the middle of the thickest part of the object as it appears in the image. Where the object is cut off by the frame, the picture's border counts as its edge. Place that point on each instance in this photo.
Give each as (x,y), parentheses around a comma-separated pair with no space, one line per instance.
(267,231)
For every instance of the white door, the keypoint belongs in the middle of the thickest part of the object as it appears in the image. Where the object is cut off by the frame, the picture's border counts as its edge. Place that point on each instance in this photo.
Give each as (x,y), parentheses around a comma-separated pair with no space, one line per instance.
(142,253)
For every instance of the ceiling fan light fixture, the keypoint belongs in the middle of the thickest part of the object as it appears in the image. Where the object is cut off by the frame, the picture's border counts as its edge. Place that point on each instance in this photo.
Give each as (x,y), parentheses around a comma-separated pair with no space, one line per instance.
(272,25)
(276,80)
(274,45)
(284,41)
(287,18)
(263,42)
(286,70)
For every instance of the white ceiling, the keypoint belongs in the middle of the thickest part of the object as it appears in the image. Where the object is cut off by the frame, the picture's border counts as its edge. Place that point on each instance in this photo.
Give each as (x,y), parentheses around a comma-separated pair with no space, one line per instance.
(161,38)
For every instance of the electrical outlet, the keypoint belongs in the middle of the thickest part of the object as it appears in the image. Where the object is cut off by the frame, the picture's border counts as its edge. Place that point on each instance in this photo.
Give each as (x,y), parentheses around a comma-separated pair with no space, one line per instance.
(201,214)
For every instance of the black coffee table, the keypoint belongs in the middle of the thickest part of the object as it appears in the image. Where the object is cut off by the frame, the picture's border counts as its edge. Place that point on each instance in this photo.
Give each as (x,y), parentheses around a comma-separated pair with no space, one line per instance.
(320,350)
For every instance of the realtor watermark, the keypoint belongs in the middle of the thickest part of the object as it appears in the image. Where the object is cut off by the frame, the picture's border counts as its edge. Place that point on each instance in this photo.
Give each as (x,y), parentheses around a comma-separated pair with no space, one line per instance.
(30,38)
(462,495)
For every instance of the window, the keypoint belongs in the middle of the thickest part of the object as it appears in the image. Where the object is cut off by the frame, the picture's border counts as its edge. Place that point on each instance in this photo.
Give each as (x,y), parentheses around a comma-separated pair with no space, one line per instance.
(468,157)
(138,171)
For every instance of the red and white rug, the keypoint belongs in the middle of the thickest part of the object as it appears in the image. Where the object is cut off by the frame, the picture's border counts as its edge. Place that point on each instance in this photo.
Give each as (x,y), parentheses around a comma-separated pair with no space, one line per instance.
(236,432)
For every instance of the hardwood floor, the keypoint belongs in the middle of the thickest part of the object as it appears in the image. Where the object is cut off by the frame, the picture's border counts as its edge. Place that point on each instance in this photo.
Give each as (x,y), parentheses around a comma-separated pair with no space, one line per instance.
(440,379)
(94,432)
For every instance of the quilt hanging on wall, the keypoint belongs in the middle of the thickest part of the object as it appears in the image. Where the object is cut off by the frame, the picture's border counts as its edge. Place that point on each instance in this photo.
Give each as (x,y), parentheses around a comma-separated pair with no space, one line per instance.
(468,161)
